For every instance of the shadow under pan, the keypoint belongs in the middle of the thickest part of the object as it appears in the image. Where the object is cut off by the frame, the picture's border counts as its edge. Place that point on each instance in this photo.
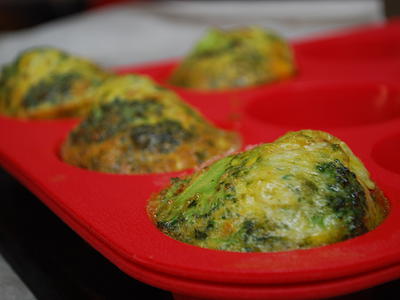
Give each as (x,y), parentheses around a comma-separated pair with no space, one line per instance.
(52,260)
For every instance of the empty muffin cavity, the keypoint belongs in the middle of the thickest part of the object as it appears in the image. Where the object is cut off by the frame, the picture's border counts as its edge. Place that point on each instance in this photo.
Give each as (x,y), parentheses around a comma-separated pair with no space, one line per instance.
(386,153)
(327,105)
(365,49)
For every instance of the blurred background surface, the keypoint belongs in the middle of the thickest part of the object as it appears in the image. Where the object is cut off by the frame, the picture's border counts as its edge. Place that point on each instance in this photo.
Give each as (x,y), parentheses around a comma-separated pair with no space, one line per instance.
(123,32)
(38,246)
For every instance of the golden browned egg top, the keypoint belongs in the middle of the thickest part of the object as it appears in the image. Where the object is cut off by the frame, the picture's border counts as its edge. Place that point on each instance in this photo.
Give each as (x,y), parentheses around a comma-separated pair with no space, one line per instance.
(141,127)
(304,190)
(48,83)
(225,59)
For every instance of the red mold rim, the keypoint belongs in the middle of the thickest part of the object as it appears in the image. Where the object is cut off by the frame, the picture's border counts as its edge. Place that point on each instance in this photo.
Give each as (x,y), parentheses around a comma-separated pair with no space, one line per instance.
(184,289)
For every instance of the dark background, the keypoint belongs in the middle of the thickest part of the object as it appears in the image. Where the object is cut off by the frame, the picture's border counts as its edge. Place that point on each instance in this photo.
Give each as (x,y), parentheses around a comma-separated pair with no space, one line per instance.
(51,259)
(18,14)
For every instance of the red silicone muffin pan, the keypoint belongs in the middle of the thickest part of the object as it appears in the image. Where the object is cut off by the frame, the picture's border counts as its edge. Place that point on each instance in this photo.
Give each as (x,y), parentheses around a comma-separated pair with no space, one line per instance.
(348,84)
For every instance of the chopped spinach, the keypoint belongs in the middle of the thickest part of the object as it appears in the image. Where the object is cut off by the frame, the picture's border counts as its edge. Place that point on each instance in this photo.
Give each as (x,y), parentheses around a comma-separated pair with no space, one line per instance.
(108,119)
(345,195)
(55,89)
(162,137)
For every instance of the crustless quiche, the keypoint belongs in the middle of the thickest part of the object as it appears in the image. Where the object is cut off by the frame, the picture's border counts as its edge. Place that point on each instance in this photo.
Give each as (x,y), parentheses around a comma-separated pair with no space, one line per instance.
(304,190)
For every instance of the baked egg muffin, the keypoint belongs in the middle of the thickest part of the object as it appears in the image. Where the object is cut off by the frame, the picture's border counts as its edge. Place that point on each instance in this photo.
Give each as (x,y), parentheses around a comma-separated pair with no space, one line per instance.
(225,59)
(48,83)
(304,190)
(141,127)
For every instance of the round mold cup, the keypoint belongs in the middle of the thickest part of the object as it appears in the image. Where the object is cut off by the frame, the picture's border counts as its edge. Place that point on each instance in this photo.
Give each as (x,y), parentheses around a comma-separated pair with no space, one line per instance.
(365,48)
(326,105)
(385,153)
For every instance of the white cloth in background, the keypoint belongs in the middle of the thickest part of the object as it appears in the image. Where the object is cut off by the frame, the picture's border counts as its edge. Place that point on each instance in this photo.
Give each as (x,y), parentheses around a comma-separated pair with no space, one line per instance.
(134,33)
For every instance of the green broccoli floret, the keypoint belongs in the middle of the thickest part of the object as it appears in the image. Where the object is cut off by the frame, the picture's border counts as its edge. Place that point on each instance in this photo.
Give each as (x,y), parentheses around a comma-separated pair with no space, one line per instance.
(56,89)
(108,119)
(162,137)
(132,118)
(214,43)
(345,195)
(7,72)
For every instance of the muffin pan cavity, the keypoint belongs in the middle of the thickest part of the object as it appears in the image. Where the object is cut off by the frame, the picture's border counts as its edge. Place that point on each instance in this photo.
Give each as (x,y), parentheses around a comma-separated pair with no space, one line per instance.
(386,153)
(325,106)
(383,48)
(110,211)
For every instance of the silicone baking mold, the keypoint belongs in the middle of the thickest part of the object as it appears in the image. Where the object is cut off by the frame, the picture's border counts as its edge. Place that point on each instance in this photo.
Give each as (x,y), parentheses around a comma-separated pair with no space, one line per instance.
(348,85)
